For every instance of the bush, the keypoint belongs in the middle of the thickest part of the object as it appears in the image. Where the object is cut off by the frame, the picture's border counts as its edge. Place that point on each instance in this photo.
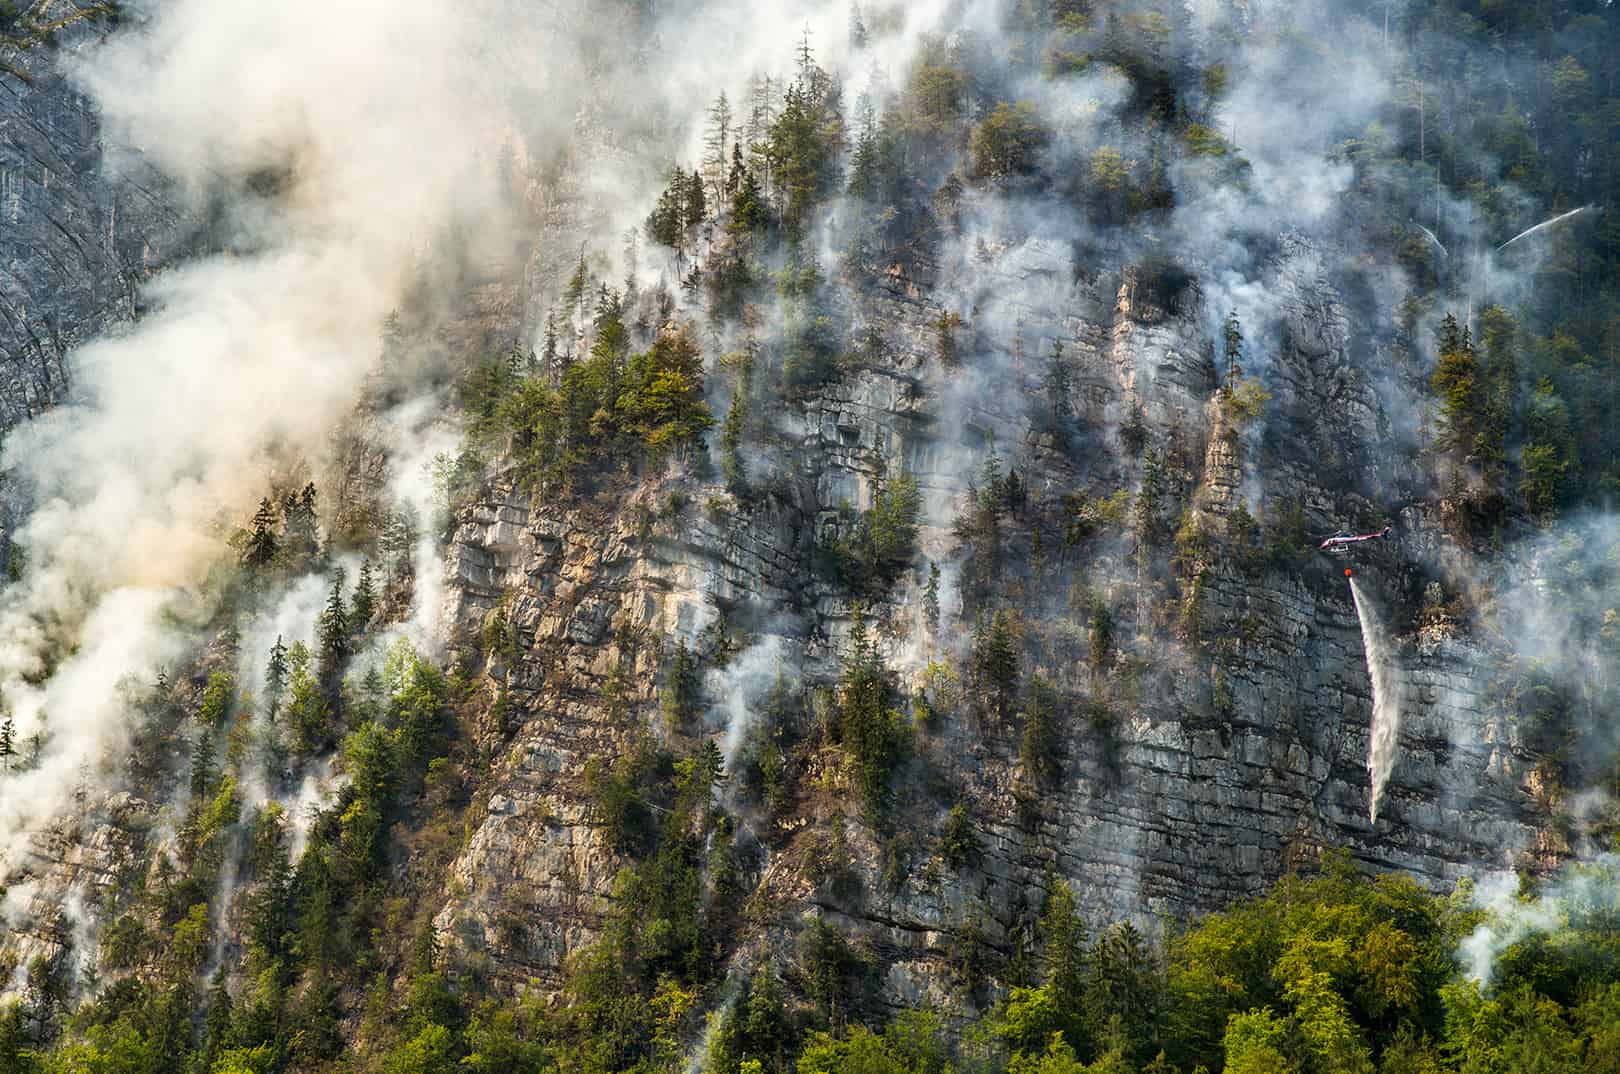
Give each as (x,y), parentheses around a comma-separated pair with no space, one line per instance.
(883,543)
(1008,141)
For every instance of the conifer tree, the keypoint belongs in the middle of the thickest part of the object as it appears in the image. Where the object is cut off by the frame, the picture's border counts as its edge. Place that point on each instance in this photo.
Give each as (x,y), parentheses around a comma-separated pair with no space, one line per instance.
(216,1031)
(275,679)
(697,206)
(202,764)
(666,224)
(1233,337)
(548,356)
(332,633)
(365,597)
(578,284)
(748,210)
(716,138)
(1064,933)
(302,542)
(262,547)
(8,741)
(734,176)
(681,693)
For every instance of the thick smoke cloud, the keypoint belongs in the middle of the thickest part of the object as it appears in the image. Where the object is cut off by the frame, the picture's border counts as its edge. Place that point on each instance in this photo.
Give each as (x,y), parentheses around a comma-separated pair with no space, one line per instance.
(334,151)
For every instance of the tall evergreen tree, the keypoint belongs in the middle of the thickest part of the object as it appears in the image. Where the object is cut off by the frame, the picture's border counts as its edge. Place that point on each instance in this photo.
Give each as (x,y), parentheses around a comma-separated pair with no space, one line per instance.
(697,206)
(275,679)
(579,285)
(202,764)
(365,597)
(716,139)
(8,741)
(262,545)
(1233,350)
(332,634)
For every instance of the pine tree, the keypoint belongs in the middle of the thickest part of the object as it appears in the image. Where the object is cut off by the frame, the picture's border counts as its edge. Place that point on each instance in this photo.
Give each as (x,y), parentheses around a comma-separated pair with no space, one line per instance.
(548,356)
(365,597)
(202,764)
(216,1032)
(681,694)
(1058,384)
(1234,350)
(578,285)
(332,632)
(715,140)
(275,679)
(262,547)
(8,741)
(666,224)
(697,207)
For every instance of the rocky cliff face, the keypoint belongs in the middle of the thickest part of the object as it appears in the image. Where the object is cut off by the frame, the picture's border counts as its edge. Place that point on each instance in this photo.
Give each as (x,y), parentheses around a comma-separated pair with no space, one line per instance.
(77,240)
(1220,741)
(1236,738)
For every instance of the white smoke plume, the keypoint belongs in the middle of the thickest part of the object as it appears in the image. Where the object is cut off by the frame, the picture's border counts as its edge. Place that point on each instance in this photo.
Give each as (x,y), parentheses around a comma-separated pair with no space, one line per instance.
(1590,890)
(373,121)
(742,686)
(344,144)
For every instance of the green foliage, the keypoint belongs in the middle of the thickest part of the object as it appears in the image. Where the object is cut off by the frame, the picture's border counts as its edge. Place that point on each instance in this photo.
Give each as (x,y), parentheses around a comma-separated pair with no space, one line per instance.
(682,694)
(612,409)
(802,148)
(1008,141)
(870,728)
(1041,741)
(997,640)
(880,547)
(959,841)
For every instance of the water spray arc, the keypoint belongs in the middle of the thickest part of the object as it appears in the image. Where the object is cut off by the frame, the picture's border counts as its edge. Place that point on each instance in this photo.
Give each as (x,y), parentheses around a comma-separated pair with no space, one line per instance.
(1527,232)
(1384,738)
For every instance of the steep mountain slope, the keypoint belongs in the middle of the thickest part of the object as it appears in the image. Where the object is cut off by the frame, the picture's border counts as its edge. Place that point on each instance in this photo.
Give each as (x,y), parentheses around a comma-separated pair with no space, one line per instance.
(896,548)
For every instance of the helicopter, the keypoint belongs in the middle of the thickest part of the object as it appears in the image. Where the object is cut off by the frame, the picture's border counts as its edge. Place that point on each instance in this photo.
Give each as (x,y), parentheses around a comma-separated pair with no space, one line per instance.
(1340,542)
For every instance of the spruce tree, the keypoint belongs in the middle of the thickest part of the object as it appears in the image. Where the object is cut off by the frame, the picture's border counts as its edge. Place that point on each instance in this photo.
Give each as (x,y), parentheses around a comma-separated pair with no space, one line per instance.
(262,546)
(332,634)
(1234,350)
(202,764)
(1064,933)
(216,1033)
(365,597)
(548,356)
(8,741)
(682,689)
(578,284)
(275,679)
(697,206)
(715,140)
